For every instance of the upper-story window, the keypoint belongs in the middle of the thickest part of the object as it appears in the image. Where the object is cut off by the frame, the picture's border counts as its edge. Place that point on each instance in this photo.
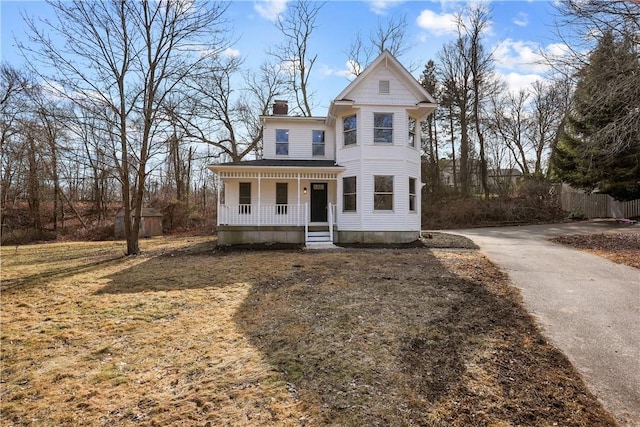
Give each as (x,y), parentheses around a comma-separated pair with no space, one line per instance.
(383,127)
(282,142)
(317,142)
(412,132)
(349,126)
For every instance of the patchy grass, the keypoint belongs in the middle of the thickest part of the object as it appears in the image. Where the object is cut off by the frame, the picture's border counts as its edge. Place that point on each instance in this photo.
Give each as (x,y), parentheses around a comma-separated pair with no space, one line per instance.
(190,335)
(620,247)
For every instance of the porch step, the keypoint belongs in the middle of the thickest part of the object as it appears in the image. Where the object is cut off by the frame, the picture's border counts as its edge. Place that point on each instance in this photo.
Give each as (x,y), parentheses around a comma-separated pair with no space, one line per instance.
(318,236)
(312,246)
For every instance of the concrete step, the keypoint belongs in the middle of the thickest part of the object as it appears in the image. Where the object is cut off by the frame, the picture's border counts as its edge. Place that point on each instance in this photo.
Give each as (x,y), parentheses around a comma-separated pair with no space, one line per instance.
(318,236)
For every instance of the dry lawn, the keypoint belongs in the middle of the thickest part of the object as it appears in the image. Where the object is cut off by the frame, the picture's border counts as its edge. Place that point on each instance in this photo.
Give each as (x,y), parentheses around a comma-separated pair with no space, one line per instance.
(620,247)
(191,335)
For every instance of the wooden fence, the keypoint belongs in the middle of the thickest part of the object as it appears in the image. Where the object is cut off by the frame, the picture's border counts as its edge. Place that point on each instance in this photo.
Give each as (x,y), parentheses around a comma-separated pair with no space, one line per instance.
(598,205)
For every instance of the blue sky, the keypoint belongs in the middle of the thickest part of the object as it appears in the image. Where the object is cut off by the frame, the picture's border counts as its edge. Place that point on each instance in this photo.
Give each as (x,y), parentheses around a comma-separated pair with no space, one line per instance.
(518,31)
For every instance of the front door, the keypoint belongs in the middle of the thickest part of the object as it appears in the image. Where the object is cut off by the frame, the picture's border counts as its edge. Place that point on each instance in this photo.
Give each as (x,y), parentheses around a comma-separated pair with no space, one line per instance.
(318,202)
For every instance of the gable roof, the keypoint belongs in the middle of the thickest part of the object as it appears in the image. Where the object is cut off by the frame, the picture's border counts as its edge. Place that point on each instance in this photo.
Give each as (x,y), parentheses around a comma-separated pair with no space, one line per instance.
(395,67)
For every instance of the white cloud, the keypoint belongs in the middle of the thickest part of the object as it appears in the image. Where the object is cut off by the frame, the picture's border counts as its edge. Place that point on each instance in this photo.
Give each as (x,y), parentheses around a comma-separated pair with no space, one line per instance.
(521,20)
(437,23)
(349,70)
(518,55)
(381,7)
(445,23)
(516,81)
(270,9)
(231,53)
(527,56)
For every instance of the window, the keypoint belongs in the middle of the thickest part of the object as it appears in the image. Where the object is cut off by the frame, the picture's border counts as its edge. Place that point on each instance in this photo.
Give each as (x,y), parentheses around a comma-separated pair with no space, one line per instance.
(412,194)
(412,132)
(383,86)
(349,192)
(349,124)
(318,142)
(282,142)
(282,196)
(245,198)
(383,192)
(383,127)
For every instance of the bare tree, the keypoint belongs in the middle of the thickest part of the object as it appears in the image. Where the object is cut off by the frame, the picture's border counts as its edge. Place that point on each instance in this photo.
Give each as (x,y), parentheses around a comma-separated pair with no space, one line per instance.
(125,58)
(550,103)
(509,123)
(214,112)
(389,35)
(471,27)
(14,88)
(455,74)
(297,26)
(429,81)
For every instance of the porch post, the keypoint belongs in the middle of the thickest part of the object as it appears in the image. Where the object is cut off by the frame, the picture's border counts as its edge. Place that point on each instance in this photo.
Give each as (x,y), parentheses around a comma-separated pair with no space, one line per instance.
(259,197)
(299,210)
(218,199)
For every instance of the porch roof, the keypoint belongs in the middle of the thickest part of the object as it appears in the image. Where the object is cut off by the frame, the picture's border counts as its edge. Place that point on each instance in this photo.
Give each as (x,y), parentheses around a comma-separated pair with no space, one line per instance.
(288,163)
(279,169)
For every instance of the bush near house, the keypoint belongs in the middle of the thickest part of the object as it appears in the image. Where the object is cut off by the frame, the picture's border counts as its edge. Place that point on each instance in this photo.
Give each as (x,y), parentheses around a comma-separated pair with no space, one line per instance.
(534,201)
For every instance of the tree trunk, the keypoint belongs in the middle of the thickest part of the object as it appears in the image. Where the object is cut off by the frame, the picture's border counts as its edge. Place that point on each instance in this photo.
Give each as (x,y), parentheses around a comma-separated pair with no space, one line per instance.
(34,187)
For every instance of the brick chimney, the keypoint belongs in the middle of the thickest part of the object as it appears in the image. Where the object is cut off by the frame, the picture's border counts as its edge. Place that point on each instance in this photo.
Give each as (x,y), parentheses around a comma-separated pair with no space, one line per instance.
(280,107)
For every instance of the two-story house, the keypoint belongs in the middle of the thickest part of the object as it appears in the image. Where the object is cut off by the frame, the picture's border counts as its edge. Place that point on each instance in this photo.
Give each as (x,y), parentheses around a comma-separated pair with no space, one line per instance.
(352,176)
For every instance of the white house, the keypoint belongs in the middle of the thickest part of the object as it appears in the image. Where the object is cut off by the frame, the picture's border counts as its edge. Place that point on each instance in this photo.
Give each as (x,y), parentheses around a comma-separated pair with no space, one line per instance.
(352,176)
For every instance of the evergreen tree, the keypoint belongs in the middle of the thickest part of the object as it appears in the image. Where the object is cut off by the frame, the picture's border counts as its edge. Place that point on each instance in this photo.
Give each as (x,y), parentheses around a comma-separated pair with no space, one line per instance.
(599,146)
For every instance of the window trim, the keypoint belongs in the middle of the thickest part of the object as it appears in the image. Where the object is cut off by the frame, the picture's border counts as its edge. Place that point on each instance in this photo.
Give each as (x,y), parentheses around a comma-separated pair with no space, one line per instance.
(377,193)
(354,194)
(412,132)
(382,128)
(282,143)
(315,144)
(413,196)
(353,130)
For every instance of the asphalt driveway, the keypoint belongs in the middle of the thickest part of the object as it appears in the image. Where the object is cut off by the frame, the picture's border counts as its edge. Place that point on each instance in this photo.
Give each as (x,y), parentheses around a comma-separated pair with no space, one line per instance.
(588,307)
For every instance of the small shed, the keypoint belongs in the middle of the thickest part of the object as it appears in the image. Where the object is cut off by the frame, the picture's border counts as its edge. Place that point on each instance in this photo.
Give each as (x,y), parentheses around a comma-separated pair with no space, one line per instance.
(150,223)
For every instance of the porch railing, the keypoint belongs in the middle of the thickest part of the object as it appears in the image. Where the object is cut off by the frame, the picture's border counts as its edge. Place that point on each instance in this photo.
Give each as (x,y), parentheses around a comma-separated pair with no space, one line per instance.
(261,215)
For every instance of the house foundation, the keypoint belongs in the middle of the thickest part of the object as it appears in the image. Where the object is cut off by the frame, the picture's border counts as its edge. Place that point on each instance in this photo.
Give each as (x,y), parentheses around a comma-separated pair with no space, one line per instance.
(236,235)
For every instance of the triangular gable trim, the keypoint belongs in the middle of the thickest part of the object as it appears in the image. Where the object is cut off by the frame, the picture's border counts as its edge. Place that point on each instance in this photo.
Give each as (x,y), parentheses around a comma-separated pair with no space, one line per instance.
(397,67)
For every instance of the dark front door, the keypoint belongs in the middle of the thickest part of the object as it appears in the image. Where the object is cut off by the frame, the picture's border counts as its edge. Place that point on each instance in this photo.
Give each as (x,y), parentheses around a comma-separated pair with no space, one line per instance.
(319,202)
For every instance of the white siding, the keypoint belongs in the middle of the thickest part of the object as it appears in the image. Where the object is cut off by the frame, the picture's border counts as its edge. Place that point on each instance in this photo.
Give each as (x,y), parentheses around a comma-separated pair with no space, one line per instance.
(300,139)
(367,159)
(367,92)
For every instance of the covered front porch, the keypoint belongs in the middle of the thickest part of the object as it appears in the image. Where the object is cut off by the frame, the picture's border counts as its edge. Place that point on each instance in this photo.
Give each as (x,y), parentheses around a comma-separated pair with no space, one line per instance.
(288,204)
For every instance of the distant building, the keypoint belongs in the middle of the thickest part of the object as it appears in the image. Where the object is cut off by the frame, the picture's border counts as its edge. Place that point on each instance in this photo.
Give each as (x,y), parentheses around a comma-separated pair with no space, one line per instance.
(150,223)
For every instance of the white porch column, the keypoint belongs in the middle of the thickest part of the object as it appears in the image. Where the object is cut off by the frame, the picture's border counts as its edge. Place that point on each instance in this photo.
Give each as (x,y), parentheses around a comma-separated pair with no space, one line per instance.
(299,209)
(259,197)
(219,192)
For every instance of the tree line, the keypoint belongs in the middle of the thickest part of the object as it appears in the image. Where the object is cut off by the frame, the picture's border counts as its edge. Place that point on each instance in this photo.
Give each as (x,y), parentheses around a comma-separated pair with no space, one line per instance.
(117,94)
